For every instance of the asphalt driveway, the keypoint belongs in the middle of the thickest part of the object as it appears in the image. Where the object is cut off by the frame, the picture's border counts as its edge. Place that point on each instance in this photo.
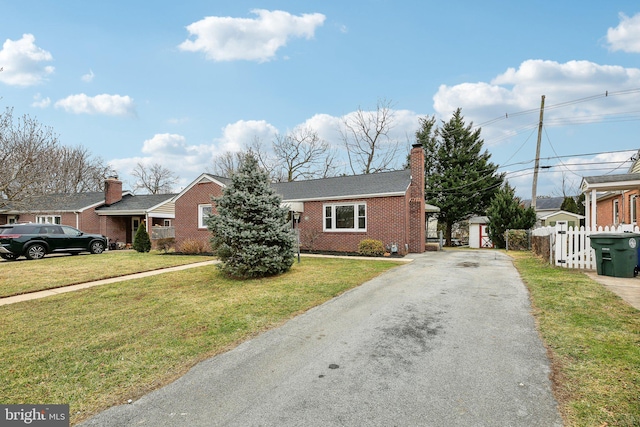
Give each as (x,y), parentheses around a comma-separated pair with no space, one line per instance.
(447,340)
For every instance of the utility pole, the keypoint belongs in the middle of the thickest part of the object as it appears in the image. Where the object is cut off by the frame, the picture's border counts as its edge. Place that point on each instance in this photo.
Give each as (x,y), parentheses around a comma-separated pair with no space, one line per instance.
(534,187)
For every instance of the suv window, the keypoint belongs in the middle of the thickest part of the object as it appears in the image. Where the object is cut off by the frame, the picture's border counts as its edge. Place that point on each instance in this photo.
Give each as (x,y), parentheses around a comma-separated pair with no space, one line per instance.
(20,229)
(50,229)
(70,231)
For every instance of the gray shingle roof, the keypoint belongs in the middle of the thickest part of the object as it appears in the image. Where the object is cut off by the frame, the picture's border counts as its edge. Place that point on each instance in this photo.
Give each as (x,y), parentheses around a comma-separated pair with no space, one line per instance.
(375,184)
(603,179)
(65,202)
(141,202)
(546,203)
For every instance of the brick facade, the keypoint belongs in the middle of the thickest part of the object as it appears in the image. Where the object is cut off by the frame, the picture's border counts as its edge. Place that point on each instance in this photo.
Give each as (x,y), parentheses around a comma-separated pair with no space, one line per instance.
(394,220)
(186,222)
(605,209)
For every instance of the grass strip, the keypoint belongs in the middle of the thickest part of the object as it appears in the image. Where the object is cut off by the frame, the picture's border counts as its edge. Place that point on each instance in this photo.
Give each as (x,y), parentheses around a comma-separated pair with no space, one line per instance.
(594,340)
(102,346)
(22,276)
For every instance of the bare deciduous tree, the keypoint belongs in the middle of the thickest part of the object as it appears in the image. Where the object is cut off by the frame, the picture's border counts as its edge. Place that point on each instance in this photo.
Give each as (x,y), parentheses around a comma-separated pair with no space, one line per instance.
(74,170)
(365,135)
(229,162)
(154,179)
(301,154)
(33,163)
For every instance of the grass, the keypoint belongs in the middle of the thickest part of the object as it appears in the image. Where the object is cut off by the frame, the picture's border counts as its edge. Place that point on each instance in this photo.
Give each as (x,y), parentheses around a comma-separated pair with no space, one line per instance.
(593,338)
(102,346)
(22,276)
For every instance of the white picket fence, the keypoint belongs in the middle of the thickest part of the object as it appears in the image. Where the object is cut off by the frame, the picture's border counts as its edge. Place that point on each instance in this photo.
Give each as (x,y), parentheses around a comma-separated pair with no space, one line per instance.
(570,247)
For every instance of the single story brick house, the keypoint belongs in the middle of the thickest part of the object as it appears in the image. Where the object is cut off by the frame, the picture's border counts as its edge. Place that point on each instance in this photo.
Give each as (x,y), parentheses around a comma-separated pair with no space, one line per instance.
(612,200)
(335,214)
(113,213)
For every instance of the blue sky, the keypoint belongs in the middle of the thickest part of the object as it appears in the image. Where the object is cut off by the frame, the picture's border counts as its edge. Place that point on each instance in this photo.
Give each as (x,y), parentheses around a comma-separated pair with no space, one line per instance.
(177,83)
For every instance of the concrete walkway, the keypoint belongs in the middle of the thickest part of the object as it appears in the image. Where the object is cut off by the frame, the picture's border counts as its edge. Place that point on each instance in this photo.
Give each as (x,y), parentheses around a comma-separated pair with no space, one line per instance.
(72,288)
(626,288)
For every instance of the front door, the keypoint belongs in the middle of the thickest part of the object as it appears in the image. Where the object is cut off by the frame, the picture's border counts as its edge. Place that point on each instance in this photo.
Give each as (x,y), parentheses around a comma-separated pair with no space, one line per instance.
(135,223)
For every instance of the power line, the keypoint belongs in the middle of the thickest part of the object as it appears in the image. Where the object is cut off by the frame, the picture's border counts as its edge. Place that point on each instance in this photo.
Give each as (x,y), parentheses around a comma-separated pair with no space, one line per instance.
(606,94)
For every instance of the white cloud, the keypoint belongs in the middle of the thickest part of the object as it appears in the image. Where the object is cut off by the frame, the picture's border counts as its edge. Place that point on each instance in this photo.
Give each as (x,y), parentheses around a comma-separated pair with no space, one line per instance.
(519,91)
(88,78)
(40,102)
(110,105)
(626,36)
(236,136)
(23,62)
(228,39)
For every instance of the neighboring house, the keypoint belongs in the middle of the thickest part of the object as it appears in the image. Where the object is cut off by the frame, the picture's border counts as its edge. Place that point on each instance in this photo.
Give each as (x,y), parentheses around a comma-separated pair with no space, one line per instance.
(113,213)
(335,214)
(549,211)
(572,219)
(611,200)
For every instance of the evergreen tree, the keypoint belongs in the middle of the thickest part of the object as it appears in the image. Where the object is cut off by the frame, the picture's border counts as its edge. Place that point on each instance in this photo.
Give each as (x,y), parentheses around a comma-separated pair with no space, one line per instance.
(507,213)
(141,241)
(569,204)
(251,235)
(459,178)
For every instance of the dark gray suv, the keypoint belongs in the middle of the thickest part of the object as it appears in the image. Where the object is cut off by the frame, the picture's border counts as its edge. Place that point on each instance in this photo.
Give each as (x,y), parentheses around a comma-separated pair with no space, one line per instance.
(34,241)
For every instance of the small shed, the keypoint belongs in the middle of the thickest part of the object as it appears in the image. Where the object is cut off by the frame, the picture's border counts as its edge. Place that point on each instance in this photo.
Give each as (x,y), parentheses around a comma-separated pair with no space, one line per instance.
(572,219)
(479,232)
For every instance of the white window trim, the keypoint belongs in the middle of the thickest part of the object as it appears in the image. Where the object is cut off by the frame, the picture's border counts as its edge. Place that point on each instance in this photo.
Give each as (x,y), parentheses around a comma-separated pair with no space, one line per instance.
(333,228)
(48,219)
(633,210)
(616,212)
(201,217)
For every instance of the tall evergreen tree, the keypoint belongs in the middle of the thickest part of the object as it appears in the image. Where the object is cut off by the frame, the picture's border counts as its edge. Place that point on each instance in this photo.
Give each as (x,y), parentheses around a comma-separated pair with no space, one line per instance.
(251,235)
(459,178)
(507,213)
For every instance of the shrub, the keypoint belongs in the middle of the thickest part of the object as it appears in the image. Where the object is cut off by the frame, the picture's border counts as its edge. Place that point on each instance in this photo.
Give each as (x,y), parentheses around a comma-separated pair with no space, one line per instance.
(371,247)
(518,240)
(165,244)
(194,247)
(141,241)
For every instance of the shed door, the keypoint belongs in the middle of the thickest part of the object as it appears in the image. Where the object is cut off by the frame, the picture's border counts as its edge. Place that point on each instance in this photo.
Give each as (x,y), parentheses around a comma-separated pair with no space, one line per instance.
(485,241)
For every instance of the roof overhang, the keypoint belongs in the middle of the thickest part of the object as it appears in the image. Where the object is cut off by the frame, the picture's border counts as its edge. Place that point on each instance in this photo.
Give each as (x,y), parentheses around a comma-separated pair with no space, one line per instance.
(346,197)
(611,183)
(293,206)
(575,215)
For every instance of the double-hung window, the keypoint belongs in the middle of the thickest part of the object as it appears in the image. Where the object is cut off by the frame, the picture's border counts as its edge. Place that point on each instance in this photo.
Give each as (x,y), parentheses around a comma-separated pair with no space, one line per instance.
(204,211)
(345,217)
(633,209)
(616,212)
(48,219)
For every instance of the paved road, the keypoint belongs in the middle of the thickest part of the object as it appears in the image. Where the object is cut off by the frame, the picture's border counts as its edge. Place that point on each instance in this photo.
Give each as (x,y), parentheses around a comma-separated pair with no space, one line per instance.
(447,340)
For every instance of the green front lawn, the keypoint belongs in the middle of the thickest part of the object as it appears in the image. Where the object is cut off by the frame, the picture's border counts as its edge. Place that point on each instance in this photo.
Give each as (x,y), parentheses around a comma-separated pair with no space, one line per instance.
(22,276)
(101,346)
(594,340)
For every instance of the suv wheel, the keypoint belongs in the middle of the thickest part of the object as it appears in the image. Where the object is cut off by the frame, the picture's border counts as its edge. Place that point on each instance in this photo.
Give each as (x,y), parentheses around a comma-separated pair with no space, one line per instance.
(96,247)
(36,251)
(9,257)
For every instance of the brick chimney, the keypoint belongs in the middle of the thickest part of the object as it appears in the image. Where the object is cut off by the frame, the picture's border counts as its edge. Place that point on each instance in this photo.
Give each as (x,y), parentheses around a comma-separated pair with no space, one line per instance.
(417,219)
(112,190)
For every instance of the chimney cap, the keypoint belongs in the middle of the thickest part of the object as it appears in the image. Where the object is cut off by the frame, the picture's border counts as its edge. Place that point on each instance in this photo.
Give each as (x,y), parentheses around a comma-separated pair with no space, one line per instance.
(112,177)
(417,145)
